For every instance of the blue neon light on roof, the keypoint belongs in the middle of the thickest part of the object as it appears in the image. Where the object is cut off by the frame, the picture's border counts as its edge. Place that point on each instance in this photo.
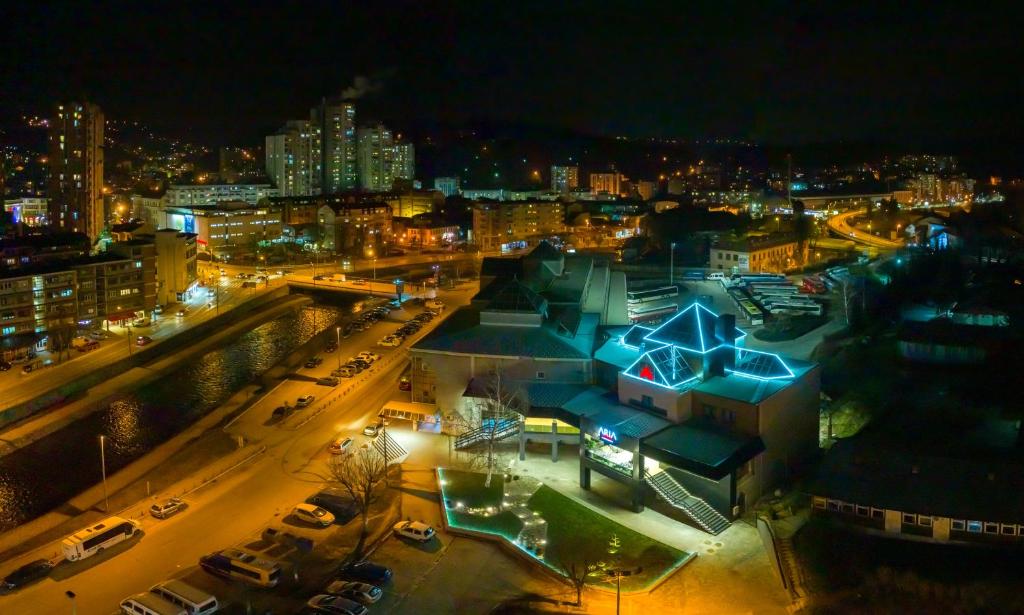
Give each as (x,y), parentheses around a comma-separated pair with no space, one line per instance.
(655,336)
(760,365)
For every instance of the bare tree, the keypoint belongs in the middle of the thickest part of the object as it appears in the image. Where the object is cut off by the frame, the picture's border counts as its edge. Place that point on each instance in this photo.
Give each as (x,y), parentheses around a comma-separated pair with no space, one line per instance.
(360,474)
(497,411)
(577,570)
(846,287)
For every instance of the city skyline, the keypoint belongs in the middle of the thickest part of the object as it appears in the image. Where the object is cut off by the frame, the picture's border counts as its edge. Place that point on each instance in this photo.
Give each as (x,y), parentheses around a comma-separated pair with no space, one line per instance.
(909,74)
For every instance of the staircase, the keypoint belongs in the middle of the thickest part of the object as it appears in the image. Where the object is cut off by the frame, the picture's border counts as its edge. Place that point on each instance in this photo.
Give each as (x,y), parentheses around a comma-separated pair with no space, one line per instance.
(709,519)
(389,448)
(501,429)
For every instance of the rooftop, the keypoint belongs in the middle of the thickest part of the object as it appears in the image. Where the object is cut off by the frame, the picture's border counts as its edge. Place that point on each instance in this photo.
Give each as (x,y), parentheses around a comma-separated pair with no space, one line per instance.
(701,447)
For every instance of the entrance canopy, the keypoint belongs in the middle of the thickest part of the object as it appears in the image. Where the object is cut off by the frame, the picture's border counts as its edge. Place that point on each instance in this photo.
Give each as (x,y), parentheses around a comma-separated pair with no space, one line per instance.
(701,447)
(121,316)
(410,411)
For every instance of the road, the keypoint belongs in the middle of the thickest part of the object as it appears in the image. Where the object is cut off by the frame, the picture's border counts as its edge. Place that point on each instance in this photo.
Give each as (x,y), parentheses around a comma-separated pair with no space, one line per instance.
(840,224)
(17,387)
(238,507)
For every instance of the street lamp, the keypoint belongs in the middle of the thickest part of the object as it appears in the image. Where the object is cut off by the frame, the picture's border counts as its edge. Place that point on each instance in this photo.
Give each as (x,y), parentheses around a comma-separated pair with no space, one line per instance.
(671,262)
(618,573)
(103,467)
(337,332)
(71,596)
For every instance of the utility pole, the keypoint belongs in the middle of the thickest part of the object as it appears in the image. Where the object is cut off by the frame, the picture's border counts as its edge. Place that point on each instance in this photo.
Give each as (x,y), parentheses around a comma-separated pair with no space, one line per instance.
(337,331)
(671,262)
(103,465)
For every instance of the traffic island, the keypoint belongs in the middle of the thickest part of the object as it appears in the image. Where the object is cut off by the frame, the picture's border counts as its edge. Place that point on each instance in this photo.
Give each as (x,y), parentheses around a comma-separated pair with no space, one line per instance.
(555,531)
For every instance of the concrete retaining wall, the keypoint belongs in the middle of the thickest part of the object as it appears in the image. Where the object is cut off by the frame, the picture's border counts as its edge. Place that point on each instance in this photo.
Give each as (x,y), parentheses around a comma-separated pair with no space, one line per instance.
(72,388)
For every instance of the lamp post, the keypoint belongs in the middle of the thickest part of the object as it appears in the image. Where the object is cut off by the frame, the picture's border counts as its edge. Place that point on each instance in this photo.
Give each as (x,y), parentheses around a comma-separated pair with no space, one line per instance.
(337,332)
(71,596)
(618,573)
(103,467)
(671,262)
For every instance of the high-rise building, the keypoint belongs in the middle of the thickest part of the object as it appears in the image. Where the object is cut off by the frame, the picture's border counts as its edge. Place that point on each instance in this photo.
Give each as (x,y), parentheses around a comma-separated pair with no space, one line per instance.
(448,186)
(293,159)
(376,158)
(334,125)
(404,165)
(564,179)
(75,184)
(606,183)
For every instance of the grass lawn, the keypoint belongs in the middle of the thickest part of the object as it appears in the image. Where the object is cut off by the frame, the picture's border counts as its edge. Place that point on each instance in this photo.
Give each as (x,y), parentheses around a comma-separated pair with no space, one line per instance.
(575,533)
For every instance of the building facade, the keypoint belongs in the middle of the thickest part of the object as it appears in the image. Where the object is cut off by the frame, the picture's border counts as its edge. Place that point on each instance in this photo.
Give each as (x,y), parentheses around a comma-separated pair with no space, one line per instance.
(75,181)
(376,157)
(768,254)
(226,229)
(606,183)
(564,179)
(334,123)
(30,211)
(177,273)
(293,159)
(498,223)
(448,186)
(355,225)
(188,195)
(404,161)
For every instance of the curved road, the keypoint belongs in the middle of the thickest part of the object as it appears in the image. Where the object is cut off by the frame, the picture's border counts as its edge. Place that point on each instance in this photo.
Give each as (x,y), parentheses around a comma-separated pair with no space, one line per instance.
(840,225)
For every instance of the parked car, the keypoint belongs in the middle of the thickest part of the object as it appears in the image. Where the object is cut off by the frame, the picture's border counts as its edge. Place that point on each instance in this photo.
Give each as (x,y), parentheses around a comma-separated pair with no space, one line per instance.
(99,334)
(404,384)
(304,401)
(27,574)
(343,372)
(312,514)
(330,347)
(368,356)
(360,363)
(313,362)
(340,446)
(167,508)
(4,365)
(338,502)
(143,340)
(280,412)
(365,571)
(354,590)
(413,530)
(159,309)
(389,342)
(329,381)
(370,430)
(336,605)
(142,322)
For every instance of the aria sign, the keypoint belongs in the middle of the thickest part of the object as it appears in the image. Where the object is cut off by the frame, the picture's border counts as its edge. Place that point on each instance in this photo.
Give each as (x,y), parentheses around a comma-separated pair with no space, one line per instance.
(607,435)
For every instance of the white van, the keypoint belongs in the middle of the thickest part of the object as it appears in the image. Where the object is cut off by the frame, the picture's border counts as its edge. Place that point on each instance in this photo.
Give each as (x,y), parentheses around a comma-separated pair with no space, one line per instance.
(150,604)
(716,275)
(194,601)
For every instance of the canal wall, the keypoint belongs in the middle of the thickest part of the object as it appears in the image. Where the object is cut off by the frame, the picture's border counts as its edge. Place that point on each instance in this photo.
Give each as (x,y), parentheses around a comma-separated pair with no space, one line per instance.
(101,386)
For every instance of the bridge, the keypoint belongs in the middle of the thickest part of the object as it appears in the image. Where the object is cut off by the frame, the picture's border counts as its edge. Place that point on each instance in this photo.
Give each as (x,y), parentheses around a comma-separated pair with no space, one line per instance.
(840,225)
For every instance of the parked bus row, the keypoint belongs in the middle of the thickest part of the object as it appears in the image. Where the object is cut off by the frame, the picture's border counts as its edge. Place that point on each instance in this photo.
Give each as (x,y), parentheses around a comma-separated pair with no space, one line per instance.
(653,304)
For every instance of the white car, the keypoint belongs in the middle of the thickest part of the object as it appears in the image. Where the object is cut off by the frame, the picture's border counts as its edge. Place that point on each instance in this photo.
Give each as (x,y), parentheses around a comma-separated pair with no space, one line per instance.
(354,590)
(368,356)
(304,401)
(414,530)
(389,342)
(311,513)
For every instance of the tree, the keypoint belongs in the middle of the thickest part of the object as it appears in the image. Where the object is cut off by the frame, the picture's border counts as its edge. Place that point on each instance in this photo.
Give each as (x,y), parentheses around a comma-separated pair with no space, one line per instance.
(500,406)
(576,571)
(359,474)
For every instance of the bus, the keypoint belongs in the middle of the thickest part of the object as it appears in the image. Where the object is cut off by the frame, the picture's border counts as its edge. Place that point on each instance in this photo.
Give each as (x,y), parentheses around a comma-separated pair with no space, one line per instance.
(773,289)
(649,312)
(752,313)
(94,539)
(637,297)
(794,307)
(246,567)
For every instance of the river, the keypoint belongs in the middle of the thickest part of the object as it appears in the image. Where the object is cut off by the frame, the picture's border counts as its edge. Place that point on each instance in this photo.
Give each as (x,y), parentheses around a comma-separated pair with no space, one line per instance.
(47,473)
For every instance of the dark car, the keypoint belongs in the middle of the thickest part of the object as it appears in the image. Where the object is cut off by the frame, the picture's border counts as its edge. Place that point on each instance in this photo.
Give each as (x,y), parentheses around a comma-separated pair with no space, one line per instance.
(331,347)
(354,366)
(338,503)
(404,384)
(4,366)
(368,572)
(29,573)
(280,412)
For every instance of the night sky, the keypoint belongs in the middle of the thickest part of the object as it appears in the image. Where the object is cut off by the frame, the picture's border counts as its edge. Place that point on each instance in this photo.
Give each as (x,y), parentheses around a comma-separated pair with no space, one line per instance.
(913,73)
